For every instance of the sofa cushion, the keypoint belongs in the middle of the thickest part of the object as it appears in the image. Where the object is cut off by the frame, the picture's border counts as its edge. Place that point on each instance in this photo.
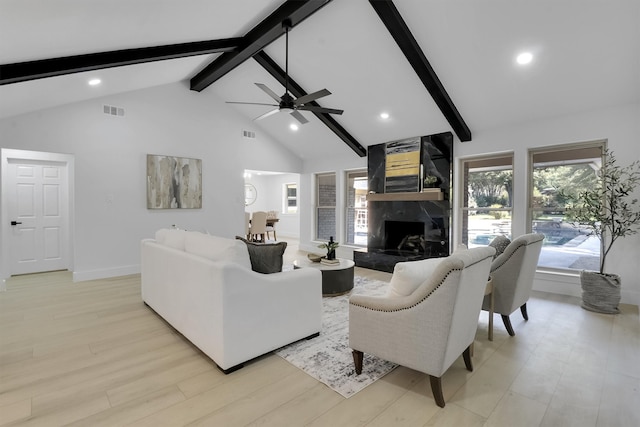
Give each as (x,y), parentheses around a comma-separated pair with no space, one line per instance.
(265,257)
(216,248)
(408,276)
(171,237)
(499,243)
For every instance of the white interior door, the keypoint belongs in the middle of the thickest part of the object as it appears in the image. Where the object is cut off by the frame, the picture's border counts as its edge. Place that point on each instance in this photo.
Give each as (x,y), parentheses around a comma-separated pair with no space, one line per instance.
(38,200)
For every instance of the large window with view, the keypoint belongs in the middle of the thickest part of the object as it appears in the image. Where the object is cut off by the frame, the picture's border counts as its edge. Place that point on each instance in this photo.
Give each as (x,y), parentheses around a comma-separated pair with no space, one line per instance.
(488,199)
(566,170)
(356,207)
(325,206)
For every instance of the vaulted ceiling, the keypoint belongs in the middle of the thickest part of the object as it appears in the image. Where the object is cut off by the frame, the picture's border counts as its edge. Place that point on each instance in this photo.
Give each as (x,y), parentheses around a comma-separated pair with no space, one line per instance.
(433,66)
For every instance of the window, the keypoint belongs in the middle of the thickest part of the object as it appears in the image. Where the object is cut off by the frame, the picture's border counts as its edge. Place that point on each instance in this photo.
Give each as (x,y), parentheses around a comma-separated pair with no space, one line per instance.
(568,169)
(356,207)
(325,206)
(290,198)
(488,199)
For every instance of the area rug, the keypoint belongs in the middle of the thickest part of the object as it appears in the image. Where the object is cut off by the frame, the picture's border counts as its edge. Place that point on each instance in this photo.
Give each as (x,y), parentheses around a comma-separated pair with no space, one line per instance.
(327,357)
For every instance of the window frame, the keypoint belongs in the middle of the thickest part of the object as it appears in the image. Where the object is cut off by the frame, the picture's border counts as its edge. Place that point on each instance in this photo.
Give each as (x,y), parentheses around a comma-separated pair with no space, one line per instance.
(286,198)
(532,208)
(495,161)
(318,206)
(358,173)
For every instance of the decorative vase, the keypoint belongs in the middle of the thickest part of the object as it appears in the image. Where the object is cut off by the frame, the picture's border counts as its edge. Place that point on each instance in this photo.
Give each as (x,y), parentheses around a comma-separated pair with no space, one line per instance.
(600,292)
(331,254)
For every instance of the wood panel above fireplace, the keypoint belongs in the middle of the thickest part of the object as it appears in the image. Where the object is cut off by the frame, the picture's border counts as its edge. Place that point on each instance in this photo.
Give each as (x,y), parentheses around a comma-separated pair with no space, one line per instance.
(438,194)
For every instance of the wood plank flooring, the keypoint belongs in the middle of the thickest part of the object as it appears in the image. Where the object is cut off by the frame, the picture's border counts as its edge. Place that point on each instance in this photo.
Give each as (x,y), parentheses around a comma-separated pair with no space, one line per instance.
(91,354)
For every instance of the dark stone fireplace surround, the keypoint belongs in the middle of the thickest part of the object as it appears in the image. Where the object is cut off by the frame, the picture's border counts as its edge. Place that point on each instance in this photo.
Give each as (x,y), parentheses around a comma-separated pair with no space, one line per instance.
(423,225)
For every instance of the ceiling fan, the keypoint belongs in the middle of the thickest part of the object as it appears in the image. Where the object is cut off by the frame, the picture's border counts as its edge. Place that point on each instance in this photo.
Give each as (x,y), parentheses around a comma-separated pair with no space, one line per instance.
(287,103)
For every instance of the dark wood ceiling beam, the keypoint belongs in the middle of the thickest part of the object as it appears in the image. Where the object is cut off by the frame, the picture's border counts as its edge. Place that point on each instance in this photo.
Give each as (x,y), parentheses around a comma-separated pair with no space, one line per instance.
(257,39)
(399,30)
(31,70)
(296,90)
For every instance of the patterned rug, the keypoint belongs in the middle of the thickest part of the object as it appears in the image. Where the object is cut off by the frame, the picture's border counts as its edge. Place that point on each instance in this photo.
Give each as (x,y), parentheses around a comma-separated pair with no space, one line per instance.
(328,358)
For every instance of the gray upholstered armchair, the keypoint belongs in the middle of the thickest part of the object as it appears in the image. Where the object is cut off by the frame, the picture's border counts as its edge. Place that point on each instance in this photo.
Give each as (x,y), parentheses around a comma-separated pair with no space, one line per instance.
(512,275)
(428,318)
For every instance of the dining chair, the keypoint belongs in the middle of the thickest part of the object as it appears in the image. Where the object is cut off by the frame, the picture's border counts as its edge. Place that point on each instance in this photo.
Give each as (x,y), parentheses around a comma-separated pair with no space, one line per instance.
(258,227)
(247,225)
(271,224)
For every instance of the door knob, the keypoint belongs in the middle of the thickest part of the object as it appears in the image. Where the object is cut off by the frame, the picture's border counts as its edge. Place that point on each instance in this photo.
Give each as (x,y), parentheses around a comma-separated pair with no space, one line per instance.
(15,223)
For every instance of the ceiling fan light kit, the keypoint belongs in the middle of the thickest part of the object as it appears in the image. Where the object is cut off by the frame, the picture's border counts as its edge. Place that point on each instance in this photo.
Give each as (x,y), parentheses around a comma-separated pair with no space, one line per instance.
(287,103)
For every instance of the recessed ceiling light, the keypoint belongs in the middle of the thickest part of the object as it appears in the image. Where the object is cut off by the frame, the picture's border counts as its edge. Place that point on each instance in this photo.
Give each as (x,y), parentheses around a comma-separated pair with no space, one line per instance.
(293,126)
(95,82)
(384,116)
(524,58)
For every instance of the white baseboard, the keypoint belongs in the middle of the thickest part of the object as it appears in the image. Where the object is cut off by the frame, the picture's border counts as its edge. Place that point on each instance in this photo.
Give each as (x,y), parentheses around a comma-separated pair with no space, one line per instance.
(81,276)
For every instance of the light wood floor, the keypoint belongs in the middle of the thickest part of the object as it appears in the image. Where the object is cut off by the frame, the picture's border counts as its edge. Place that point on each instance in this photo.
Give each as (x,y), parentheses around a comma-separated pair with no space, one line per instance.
(92,354)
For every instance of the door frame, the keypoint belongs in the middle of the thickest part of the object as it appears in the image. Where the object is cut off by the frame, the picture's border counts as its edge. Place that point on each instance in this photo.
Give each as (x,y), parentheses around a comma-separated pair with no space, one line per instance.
(5,227)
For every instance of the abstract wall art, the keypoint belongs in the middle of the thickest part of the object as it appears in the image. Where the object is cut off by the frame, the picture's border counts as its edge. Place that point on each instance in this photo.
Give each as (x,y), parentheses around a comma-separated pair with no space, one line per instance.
(173,182)
(402,166)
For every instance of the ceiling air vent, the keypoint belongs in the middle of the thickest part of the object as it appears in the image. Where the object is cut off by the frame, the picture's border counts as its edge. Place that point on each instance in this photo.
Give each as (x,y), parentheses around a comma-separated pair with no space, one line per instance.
(247,134)
(113,111)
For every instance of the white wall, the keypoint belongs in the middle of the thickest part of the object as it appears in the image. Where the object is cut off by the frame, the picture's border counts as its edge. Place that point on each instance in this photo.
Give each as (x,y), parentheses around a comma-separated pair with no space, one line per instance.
(110,167)
(619,125)
(110,152)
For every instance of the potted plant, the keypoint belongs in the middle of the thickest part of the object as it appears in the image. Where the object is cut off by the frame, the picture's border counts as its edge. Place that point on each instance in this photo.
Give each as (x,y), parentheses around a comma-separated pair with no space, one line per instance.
(330,246)
(430,181)
(610,213)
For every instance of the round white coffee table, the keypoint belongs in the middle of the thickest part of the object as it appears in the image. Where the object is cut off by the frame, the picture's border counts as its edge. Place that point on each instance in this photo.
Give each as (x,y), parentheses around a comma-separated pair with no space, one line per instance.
(336,279)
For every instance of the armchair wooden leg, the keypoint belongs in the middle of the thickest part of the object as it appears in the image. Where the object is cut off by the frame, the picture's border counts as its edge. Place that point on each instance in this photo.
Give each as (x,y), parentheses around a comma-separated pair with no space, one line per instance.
(466,355)
(357,360)
(507,324)
(436,389)
(523,310)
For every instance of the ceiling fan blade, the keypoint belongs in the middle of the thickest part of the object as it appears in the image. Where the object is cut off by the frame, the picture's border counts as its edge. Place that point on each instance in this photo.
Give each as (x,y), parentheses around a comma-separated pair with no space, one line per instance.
(299,117)
(268,91)
(315,109)
(267,114)
(251,103)
(311,97)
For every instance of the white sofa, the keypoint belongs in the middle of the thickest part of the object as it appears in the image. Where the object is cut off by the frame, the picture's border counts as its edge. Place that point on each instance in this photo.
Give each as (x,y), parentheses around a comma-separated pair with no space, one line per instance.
(204,287)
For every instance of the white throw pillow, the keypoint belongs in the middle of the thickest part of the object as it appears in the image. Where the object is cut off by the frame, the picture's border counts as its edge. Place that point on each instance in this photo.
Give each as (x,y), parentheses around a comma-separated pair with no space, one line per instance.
(408,276)
(217,248)
(171,237)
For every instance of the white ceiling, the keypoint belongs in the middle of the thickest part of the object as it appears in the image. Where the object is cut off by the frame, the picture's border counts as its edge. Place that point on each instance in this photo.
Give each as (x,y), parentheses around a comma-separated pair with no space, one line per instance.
(587,56)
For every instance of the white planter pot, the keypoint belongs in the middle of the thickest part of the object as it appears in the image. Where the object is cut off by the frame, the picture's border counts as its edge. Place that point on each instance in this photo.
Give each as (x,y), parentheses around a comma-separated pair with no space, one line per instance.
(600,292)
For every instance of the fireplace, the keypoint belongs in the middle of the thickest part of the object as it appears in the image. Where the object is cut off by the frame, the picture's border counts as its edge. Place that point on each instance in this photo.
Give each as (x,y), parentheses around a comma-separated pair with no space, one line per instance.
(404,236)
(407,229)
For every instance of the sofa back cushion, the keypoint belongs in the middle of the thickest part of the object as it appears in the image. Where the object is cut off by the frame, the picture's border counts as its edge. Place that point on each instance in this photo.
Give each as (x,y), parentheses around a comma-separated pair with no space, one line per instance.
(171,237)
(265,257)
(216,248)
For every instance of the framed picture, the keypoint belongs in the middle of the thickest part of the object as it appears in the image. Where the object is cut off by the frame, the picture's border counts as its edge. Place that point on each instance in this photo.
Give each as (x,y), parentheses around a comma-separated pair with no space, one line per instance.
(402,171)
(173,182)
